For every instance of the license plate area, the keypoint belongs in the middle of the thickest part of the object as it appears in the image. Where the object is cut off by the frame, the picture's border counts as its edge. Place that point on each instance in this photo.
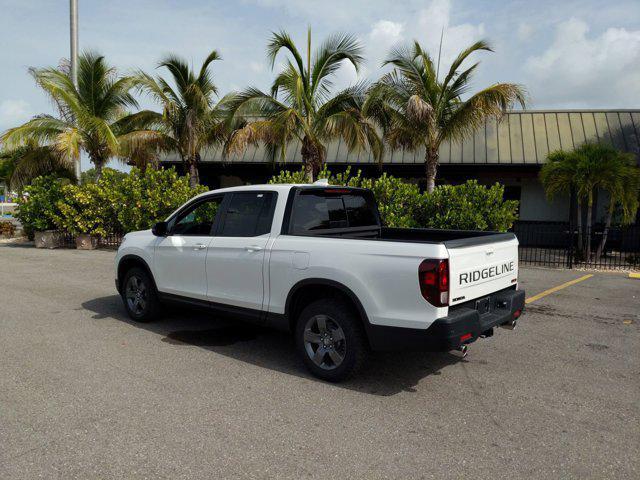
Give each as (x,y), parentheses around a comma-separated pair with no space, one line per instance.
(483,305)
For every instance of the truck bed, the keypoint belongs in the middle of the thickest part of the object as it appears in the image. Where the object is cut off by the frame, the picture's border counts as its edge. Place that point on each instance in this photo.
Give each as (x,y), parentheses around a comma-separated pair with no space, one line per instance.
(450,238)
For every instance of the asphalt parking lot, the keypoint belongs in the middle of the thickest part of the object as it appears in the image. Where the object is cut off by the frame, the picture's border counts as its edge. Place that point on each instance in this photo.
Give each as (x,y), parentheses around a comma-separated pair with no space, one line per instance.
(85,393)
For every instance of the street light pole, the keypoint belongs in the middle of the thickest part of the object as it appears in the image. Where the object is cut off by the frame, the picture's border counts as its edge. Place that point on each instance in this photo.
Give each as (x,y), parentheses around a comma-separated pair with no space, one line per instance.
(73,23)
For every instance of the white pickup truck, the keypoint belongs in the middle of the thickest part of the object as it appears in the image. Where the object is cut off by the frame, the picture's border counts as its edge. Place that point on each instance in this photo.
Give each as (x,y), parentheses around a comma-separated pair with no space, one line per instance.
(316,261)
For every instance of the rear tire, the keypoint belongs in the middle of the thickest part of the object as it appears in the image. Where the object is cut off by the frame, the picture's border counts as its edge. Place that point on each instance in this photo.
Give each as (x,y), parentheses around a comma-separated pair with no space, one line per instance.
(330,340)
(140,296)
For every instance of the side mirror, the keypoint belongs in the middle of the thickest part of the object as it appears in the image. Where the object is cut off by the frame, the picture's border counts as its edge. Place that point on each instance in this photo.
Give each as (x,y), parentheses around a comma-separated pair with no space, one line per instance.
(160,229)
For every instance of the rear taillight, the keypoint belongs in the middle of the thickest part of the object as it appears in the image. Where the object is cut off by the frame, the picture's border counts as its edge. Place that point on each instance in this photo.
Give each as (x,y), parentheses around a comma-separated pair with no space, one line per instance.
(433,276)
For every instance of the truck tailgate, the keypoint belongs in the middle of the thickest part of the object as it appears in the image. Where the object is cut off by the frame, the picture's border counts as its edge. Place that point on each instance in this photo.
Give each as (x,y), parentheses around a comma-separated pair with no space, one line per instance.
(479,270)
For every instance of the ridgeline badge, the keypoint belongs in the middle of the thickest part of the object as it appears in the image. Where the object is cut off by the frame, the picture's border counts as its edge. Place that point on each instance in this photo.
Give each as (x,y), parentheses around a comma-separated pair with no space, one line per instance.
(484,273)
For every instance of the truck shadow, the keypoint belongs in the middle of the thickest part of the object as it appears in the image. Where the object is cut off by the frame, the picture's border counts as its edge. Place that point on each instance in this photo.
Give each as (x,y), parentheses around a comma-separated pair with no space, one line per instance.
(385,374)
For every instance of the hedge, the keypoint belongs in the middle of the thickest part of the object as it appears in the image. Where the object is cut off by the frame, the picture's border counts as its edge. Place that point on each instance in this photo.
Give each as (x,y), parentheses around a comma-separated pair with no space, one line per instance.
(114,204)
(469,206)
(119,203)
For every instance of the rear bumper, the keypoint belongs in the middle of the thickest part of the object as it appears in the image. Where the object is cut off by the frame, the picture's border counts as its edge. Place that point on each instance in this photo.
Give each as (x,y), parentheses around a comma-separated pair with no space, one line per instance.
(463,325)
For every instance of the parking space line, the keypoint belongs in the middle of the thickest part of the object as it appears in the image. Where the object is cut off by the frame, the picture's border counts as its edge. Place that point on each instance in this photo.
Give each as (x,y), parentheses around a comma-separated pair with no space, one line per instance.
(559,287)
(634,275)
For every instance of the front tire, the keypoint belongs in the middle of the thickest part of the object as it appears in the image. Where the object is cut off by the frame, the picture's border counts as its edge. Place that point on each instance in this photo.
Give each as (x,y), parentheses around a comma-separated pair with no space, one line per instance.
(140,296)
(330,340)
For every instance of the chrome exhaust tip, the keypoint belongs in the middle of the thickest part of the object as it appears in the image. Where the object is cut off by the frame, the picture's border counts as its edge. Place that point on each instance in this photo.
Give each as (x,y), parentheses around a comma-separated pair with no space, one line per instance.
(462,351)
(510,325)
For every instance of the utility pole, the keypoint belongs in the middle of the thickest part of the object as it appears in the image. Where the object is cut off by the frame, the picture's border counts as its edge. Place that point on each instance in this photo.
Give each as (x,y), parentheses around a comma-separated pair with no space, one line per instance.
(73,24)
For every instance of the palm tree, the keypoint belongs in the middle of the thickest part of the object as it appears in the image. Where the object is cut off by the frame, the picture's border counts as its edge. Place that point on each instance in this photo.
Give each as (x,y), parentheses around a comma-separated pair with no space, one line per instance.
(21,165)
(190,120)
(603,167)
(621,180)
(559,176)
(90,117)
(302,104)
(417,109)
(588,169)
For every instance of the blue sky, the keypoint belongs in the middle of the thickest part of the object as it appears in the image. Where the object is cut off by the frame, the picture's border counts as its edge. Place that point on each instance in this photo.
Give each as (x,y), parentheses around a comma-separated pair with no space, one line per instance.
(569,54)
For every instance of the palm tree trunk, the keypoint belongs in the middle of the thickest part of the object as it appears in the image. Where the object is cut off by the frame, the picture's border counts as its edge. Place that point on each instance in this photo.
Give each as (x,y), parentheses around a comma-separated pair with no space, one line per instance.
(579,225)
(589,216)
(605,233)
(431,167)
(308,170)
(98,164)
(194,174)
(313,157)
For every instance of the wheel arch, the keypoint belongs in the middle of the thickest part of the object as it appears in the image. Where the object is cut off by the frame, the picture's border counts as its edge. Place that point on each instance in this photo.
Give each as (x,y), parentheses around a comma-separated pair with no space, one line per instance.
(314,288)
(129,261)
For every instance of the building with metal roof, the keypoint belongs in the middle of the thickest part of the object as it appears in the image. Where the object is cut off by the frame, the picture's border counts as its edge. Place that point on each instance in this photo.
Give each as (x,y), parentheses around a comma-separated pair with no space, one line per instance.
(509,151)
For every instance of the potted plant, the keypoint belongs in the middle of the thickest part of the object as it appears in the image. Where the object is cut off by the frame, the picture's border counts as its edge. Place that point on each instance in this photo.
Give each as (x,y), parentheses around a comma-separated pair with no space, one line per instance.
(7,229)
(38,211)
(82,213)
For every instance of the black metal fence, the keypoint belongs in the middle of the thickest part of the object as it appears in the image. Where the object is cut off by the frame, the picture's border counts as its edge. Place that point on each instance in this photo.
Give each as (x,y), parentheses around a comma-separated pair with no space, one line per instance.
(111,241)
(560,245)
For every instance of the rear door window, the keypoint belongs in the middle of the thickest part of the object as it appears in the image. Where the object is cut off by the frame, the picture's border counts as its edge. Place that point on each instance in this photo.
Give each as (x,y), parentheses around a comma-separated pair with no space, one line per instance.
(249,214)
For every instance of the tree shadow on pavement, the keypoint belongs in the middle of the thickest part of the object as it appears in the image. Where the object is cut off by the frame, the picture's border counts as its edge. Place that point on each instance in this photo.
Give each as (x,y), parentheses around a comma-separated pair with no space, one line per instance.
(385,374)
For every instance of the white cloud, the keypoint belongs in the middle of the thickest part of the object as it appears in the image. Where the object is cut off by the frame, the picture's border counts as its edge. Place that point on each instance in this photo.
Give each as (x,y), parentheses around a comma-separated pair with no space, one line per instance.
(434,21)
(14,112)
(427,26)
(578,69)
(383,36)
(386,32)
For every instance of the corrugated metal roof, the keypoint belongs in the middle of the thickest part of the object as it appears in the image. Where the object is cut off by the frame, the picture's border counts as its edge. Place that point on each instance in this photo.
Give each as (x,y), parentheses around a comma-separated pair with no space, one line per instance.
(519,138)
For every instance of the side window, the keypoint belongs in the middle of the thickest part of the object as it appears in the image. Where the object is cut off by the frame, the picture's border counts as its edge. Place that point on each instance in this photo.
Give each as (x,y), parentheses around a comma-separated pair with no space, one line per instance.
(318,212)
(197,219)
(361,210)
(249,214)
(324,211)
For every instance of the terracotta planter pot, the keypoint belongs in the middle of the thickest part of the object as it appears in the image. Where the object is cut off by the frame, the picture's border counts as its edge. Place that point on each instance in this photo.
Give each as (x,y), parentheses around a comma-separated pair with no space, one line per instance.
(48,239)
(84,241)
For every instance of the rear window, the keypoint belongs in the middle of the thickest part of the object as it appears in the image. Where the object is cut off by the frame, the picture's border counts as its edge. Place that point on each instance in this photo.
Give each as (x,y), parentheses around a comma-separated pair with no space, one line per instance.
(315,211)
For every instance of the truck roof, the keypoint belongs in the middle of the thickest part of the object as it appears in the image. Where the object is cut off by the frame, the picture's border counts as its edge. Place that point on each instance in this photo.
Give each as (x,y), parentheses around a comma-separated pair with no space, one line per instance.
(278,187)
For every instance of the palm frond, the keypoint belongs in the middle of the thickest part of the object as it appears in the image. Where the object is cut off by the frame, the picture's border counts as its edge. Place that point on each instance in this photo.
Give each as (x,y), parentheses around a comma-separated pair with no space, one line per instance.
(179,70)
(41,130)
(213,56)
(282,40)
(490,102)
(558,173)
(328,58)
(480,45)
(31,161)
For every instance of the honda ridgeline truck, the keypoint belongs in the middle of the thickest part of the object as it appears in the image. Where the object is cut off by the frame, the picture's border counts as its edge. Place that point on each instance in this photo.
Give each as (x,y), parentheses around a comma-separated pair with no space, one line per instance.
(316,261)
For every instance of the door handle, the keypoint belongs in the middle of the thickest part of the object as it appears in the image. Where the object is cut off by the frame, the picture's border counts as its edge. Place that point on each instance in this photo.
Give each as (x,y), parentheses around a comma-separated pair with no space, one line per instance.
(253,248)
(199,246)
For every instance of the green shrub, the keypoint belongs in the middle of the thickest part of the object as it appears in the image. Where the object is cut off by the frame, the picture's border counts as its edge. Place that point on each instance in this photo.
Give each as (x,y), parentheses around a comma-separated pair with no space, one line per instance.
(38,206)
(90,176)
(398,201)
(138,200)
(469,206)
(84,209)
(117,203)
